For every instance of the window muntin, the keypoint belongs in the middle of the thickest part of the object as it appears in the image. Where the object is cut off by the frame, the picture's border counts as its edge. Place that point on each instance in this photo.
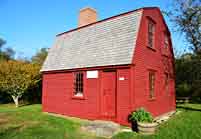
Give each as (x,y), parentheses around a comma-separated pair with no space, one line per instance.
(78,84)
(151,32)
(151,84)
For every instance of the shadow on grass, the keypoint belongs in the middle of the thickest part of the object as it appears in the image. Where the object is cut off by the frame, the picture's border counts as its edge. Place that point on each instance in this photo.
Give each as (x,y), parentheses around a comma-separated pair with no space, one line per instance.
(189,108)
(10,130)
(26,103)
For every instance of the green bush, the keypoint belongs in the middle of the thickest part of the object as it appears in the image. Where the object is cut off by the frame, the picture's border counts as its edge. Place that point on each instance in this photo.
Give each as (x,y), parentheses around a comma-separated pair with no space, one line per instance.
(183,90)
(141,115)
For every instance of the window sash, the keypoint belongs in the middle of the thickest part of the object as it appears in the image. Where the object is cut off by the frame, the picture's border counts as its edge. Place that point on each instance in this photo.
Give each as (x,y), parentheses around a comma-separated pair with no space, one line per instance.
(151,84)
(151,30)
(78,83)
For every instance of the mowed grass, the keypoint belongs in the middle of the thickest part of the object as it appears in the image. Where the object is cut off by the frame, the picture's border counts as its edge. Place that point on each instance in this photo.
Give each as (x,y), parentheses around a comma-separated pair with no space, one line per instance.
(184,125)
(28,122)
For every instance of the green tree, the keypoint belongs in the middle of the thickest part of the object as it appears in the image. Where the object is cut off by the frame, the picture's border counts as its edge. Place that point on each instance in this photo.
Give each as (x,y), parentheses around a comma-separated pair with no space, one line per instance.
(188,75)
(2,42)
(16,77)
(186,14)
(6,53)
(34,92)
(40,56)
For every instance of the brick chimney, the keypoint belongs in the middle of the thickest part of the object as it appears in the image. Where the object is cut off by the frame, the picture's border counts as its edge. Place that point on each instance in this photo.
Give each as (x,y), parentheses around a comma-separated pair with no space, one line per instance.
(87,16)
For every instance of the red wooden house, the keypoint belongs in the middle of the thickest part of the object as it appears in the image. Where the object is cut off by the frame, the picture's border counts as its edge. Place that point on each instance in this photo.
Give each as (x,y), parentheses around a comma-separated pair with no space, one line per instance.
(106,69)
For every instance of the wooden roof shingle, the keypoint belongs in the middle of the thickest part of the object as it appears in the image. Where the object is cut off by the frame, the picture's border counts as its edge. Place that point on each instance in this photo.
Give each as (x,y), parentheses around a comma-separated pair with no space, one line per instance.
(111,42)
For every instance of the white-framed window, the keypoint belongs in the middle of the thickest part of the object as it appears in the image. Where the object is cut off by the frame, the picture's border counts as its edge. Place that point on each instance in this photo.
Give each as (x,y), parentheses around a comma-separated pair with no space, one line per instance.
(151,33)
(78,84)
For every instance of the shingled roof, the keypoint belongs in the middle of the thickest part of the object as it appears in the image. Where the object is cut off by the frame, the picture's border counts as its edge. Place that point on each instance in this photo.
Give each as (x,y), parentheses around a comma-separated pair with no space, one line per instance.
(107,42)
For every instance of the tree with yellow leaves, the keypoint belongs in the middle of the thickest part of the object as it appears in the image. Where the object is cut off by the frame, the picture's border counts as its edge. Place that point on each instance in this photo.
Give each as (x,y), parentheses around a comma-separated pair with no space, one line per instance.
(17,76)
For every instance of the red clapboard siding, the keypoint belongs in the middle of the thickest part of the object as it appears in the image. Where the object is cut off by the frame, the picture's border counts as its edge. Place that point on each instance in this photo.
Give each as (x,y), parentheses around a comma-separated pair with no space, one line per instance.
(146,59)
(130,82)
(57,96)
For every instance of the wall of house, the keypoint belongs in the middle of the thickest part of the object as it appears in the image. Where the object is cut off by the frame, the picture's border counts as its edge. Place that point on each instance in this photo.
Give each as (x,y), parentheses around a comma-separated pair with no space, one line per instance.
(58,96)
(158,60)
(123,95)
(132,92)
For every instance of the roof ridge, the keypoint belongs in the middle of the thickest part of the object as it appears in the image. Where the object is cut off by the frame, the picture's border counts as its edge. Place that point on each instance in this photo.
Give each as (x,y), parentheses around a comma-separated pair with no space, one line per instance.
(104,44)
(121,14)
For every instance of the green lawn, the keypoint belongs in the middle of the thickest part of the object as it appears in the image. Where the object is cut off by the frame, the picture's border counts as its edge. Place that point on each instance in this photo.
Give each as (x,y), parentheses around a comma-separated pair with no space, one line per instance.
(28,122)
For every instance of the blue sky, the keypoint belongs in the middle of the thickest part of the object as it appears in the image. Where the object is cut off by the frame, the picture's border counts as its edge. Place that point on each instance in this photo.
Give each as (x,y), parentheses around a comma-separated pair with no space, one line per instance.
(28,25)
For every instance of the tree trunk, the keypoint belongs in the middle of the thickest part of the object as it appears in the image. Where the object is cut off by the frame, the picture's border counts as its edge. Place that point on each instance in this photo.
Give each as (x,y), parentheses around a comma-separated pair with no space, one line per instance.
(15,99)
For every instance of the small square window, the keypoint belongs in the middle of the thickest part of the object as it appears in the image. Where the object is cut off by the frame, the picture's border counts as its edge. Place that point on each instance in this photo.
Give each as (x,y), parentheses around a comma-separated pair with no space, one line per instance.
(78,84)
